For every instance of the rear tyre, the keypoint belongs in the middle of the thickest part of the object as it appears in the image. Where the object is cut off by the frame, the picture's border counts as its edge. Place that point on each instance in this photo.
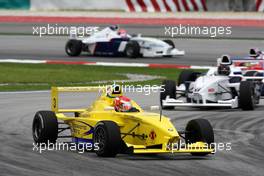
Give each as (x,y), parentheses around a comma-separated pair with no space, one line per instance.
(132,49)
(169,42)
(199,130)
(258,74)
(251,73)
(262,90)
(247,97)
(45,127)
(107,136)
(73,47)
(169,90)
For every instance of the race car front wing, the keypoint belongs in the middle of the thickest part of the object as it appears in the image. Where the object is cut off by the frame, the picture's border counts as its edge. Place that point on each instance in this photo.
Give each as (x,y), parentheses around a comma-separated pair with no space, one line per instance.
(198,147)
(233,103)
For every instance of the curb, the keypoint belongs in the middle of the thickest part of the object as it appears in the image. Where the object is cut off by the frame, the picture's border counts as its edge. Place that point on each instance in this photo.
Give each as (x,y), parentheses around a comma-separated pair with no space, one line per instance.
(110,64)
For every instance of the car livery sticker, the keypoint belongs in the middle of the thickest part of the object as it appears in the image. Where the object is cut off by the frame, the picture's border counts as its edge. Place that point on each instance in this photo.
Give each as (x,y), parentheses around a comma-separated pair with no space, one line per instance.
(152,135)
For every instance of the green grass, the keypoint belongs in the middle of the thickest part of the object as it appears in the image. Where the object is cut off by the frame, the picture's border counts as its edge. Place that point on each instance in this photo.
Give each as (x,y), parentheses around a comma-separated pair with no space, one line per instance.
(45,76)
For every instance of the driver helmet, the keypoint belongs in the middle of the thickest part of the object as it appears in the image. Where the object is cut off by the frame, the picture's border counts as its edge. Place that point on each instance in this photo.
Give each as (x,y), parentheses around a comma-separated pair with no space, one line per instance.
(122,33)
(223,69)
(254,52)
(114,27)
(122,104)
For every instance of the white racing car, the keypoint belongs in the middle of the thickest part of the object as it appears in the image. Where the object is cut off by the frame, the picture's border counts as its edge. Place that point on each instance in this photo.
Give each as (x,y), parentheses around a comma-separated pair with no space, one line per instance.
(254,63)
(112,41)
(222,86)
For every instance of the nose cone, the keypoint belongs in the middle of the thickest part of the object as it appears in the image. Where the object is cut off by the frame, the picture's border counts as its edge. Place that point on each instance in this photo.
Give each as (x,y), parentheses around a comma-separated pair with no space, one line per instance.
(163,124)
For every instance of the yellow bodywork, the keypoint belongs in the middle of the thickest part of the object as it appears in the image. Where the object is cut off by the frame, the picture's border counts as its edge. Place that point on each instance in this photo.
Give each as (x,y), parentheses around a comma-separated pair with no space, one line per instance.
(149,133)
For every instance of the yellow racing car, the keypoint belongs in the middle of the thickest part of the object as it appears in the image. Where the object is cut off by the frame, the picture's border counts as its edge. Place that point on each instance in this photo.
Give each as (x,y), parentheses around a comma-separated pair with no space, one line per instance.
(114,131)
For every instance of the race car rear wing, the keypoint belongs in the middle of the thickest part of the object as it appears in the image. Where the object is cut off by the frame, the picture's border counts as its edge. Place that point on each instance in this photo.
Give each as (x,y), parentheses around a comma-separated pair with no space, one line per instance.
(55,96)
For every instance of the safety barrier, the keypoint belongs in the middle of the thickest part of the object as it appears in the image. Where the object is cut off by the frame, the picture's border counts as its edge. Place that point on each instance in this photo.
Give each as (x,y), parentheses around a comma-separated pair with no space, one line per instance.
(260,5)
(165,5)
(137,5)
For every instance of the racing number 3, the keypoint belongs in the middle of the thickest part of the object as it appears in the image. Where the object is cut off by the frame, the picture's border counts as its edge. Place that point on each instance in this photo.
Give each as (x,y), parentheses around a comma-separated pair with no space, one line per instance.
(54,103)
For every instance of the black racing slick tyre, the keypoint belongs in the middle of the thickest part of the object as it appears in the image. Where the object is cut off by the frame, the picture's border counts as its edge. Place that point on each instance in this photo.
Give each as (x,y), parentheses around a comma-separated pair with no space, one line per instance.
(247,95)
(73,47)
(184,77)
(199,130)
(187,75)
(169,42)
(132,49)
(45,127)
(251,73)
(108,138)
(256,74)
(169,89)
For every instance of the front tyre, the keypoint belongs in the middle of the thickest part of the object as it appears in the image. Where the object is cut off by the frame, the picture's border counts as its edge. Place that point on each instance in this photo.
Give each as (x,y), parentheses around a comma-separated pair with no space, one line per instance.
(132,49)
(199,130)
(73,47)
(108,138)
(45,127)
(169,88)
(187,75)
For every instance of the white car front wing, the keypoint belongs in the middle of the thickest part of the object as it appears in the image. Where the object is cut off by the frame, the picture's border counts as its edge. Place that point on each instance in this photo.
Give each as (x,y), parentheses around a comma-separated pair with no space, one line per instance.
(176,52)
(233,103)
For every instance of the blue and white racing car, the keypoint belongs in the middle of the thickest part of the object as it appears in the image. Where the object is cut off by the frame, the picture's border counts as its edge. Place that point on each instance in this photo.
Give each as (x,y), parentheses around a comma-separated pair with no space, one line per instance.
(112,41)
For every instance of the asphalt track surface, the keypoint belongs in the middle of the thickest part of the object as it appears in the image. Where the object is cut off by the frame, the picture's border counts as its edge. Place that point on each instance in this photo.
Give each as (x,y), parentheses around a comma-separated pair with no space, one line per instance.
(243,129)
(199,51)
